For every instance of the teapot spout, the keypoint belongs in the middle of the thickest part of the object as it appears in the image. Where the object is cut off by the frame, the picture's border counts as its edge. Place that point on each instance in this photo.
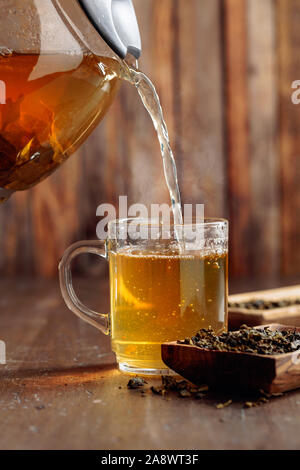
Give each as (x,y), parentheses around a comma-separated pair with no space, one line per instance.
(116,22)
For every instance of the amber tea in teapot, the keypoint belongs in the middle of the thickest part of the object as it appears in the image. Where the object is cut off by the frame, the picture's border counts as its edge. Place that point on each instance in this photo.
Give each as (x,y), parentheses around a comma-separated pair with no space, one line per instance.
(52,102)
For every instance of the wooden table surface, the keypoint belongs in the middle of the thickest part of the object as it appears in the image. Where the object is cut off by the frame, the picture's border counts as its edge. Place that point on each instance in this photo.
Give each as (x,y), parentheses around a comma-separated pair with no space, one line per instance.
(61,389)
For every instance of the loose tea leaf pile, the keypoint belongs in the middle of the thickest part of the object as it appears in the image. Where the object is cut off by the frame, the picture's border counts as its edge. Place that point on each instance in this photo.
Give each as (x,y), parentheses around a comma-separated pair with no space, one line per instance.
(185,389)
(263,399)
(260,304)
(249,340)
(136,382)
(181,387)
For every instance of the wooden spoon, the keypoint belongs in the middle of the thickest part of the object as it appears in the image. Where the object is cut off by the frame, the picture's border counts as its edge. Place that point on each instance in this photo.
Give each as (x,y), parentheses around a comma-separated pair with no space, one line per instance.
(235,370)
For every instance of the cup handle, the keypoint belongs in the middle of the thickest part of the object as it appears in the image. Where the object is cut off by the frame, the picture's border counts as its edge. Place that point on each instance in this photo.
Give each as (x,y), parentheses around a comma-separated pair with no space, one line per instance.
(98,320)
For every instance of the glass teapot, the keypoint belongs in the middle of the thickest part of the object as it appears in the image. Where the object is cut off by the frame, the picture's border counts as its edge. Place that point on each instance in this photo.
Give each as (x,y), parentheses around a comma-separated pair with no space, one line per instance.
(60,68)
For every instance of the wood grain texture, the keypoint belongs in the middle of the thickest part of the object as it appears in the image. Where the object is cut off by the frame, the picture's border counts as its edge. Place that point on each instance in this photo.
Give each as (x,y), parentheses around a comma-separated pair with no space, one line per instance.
(60,389)
(223,69)
(201,132)
(55,214)
(16,236)
(289,70)
(237,114)
(263,137)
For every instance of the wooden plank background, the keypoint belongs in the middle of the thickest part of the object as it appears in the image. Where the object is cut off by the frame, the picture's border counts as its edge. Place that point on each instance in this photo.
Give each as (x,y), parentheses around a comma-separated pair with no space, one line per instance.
(224,70)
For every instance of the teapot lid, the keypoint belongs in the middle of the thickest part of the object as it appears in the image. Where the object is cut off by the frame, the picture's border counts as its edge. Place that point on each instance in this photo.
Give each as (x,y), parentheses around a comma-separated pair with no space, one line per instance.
(116,22)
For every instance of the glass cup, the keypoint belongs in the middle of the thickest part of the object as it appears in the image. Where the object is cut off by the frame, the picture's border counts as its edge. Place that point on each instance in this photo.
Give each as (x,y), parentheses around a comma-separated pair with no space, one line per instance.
(166,282)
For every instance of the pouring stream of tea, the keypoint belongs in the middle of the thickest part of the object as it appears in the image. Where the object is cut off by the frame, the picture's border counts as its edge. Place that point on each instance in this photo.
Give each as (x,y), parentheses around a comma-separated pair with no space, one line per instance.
(152,104)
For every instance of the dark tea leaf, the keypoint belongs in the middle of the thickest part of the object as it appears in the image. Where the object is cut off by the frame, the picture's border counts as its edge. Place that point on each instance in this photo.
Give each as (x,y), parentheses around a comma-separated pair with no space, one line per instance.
(220,406)
(248,340)
(136,382)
